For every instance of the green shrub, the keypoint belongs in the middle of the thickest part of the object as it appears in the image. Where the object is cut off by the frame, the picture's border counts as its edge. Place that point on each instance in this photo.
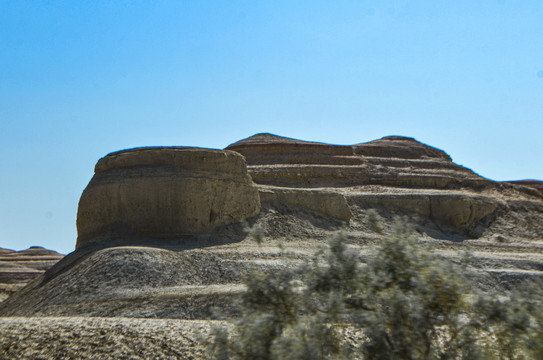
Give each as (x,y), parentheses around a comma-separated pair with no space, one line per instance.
(373,221)
(405,303)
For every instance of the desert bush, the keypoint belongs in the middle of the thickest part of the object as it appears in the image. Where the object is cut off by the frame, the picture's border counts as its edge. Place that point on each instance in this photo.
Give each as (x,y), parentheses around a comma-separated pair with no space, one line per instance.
(404,303)
(373,221)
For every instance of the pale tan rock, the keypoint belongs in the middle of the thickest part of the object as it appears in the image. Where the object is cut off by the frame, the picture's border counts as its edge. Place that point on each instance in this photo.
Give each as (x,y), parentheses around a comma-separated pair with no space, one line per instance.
(457,209)
(326,202)
(304,189)
(323,177)
(460,210)
(17,268)
(165,193)
(390,161)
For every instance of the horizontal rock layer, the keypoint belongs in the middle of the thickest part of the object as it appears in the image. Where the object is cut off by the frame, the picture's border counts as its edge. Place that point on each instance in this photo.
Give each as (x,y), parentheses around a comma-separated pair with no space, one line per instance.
(392,161)
(304,192)
(17,268)
(532,184)
(164,193)
(365,173)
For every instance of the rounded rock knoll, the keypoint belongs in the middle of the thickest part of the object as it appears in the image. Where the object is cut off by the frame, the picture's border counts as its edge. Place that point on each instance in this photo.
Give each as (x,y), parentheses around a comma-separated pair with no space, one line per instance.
(164,192)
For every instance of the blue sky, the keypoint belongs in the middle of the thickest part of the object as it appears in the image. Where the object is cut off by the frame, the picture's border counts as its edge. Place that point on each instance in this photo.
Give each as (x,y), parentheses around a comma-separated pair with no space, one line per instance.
(80,79)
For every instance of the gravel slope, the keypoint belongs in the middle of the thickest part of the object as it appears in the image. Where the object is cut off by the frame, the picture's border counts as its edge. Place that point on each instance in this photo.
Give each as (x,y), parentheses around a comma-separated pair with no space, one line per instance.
(100,338)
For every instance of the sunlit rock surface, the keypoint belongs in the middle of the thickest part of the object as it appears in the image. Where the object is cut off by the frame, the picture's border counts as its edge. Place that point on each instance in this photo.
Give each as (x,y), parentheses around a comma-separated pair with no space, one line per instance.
(162,231)
(17,268)
(164,193)
(395,171)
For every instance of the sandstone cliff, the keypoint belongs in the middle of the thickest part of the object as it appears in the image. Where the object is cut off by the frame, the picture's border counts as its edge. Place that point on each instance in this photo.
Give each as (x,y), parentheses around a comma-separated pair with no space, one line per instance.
(161,231)
(164,193)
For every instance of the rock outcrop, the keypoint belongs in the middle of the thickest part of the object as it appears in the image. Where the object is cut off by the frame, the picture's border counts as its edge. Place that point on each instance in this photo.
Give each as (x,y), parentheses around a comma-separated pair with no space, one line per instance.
(164,193)
(17,268)
(391,161)
(533,184)
(161,232)
(396,171)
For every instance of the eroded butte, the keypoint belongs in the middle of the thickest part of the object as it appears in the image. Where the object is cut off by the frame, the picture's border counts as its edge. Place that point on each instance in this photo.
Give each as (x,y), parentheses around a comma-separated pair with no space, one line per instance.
(162,231)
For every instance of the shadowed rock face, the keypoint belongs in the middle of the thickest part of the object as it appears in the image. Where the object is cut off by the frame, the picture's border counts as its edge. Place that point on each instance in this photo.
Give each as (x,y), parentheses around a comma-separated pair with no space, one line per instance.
(164,193)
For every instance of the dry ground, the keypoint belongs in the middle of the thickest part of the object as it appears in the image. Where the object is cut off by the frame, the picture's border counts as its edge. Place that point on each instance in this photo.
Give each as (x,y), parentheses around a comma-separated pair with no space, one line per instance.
(100,338)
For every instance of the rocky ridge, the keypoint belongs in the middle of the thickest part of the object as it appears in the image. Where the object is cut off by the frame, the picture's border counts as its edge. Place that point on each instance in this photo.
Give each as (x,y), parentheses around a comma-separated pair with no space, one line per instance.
(534,184)
(17,268)
(394,170)
(138,256)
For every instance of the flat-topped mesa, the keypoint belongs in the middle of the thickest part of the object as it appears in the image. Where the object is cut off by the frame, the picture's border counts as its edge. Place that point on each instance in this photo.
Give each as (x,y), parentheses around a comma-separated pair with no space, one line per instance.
(164,192)
(390,161)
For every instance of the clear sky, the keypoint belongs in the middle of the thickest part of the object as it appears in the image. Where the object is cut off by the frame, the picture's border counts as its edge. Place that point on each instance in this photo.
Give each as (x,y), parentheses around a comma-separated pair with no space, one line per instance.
(80,79)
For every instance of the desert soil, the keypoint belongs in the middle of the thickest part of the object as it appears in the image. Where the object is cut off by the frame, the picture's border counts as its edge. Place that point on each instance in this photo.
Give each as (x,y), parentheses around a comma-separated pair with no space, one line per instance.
(100,338)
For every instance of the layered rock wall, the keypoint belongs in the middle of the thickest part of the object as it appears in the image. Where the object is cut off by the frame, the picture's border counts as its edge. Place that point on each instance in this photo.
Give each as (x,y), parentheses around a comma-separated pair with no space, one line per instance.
(17,268)
(305,191)
(164,193)
(390,161)
(392,171)
(531,184)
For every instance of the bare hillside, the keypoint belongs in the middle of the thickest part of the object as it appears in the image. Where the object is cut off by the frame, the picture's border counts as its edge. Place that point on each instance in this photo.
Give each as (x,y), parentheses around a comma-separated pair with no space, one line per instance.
(163,231)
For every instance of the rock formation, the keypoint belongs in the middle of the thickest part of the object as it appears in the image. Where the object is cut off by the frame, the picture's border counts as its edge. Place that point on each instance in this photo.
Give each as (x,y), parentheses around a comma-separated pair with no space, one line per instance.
(17,268)
(164,193)
(534,184)
(394,170)
(160,230)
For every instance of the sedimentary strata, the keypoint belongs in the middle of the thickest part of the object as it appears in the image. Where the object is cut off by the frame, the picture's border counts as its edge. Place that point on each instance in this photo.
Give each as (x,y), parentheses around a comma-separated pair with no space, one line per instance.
(17,268)
(164,193)
(533,184)
(396,171)
(161,231)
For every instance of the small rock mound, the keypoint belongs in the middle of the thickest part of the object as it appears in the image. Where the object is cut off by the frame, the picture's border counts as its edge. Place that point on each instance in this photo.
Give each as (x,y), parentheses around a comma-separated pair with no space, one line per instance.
(164,192)
(17,268)
(144,281)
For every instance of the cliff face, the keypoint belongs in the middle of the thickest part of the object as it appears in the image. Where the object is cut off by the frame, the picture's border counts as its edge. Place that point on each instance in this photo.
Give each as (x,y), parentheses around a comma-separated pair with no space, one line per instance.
(164,193)
(162,231)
